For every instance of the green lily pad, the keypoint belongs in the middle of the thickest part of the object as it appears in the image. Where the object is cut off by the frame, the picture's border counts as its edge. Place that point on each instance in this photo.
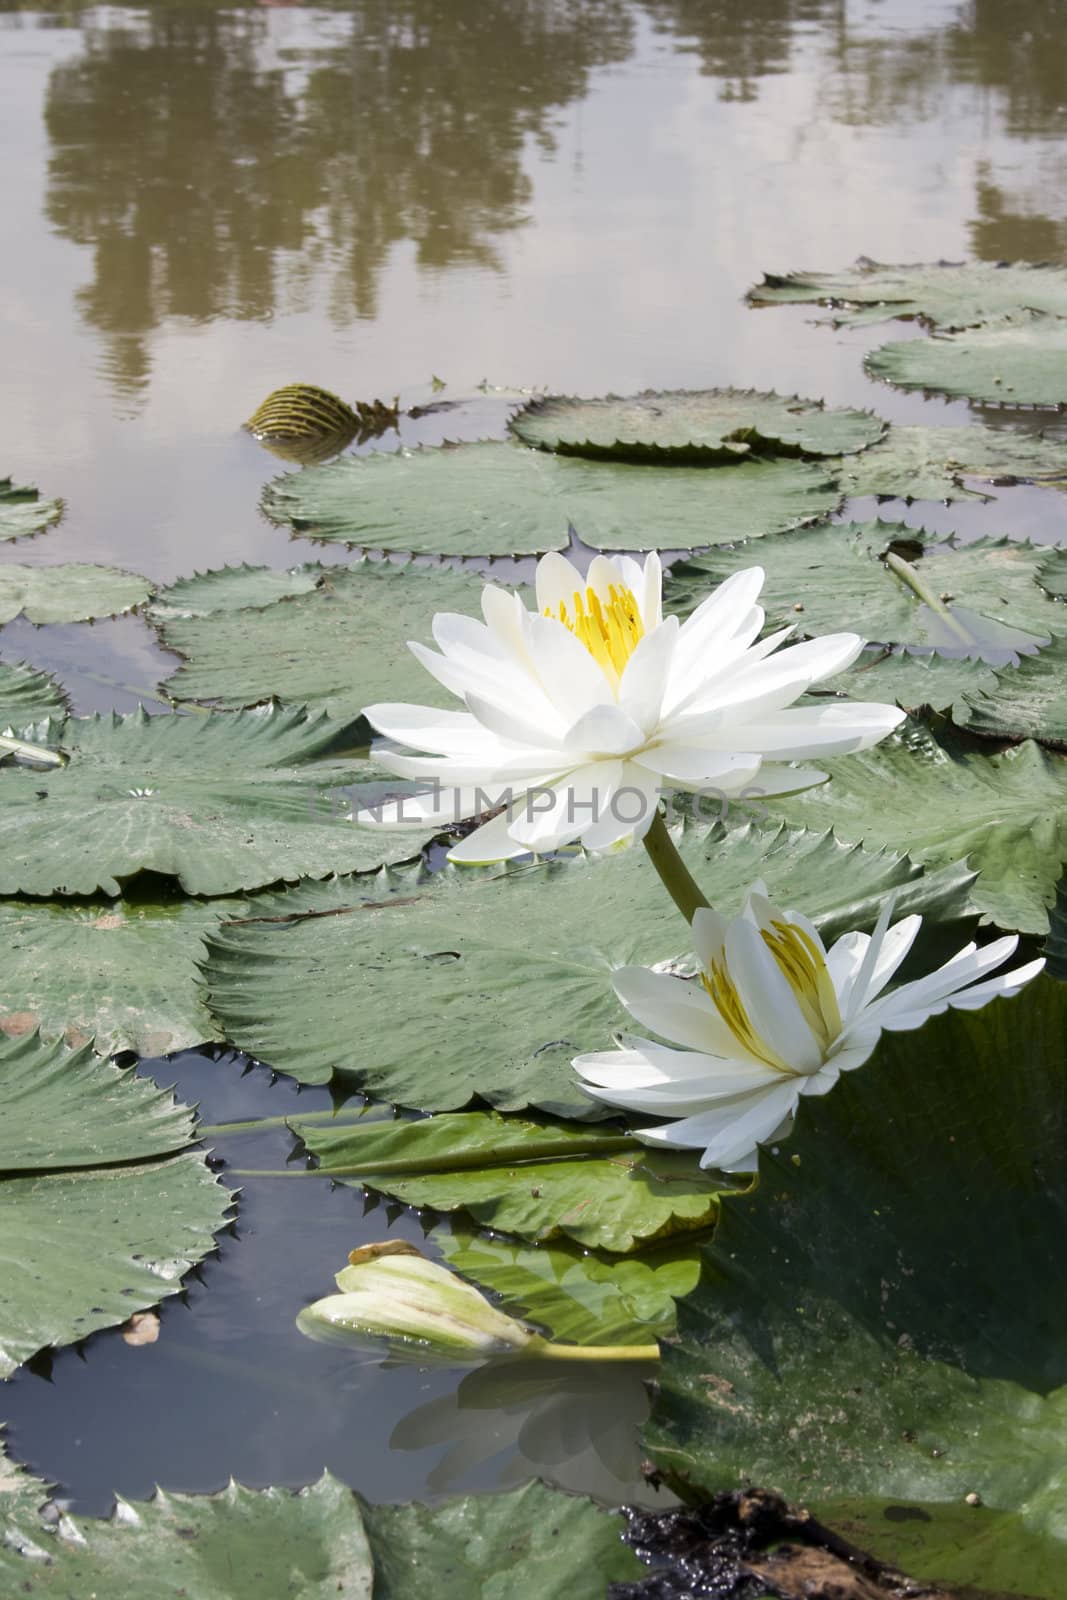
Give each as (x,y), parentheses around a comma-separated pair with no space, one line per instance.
(708,426)
(102,1207)
(946,294)
(928,463)
(941,798)
(1020,364)
(320,1543)
(597,1186)
(338,647)
(119,974)
(880,1323)
(27,695)
(823,580)
(1053,574)
(529,1544)
(219,802)
(23,512)
(575,1295)
(911,679)
(1024,701)
(488,981)
(230,589)
(72,593)
(501,499)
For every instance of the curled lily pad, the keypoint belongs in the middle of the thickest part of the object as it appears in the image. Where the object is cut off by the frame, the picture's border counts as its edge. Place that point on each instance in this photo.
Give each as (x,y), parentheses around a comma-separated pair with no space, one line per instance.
(709,426)
(76,592)
(23,512)
(303,423)
(1019,364)
(947,294)
(102,1205)
(501,499)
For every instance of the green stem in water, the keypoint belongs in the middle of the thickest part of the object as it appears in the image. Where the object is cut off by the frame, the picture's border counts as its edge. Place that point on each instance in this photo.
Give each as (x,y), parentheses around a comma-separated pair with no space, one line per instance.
(591,1352)
(909,575)
(674,874)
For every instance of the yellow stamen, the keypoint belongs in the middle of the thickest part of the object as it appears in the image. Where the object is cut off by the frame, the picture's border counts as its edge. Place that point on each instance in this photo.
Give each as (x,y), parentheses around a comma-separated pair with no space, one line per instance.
(610,631)
(804,968)
(728,1003)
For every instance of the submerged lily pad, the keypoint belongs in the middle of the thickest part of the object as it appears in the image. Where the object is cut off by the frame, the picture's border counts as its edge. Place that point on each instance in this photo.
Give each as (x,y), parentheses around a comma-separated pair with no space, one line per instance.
(487,982)
(76,592)
(947,294)
(880,1323)
(119,974)
(23,512)
(317,1543)
(102,1207)
(913,463)
(945,797)
(502,499)
(576,1295)
(1020,364)
(27,695)
(696,426)
(986,594)
(597,1186)
(339,647)
(230,589)
(219,802)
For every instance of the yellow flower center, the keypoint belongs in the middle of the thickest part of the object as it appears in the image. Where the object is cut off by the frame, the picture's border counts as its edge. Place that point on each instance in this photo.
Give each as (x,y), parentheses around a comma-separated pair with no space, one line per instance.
(803,967)
(610,631)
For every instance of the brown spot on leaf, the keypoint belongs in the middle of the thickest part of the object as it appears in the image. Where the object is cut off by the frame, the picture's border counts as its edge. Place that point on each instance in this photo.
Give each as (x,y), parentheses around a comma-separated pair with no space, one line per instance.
(17,1023)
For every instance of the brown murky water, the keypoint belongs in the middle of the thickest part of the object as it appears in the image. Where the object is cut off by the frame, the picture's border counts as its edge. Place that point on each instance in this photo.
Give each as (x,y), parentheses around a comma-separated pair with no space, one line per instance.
(202,202)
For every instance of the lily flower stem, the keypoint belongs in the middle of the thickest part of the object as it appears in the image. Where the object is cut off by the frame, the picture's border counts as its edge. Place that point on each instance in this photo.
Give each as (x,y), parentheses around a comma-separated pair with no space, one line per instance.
(909,575)
(592,1352)
(674,874)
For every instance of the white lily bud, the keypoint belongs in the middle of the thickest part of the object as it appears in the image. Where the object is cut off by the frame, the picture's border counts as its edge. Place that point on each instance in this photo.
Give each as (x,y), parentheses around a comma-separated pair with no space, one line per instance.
(392,1294)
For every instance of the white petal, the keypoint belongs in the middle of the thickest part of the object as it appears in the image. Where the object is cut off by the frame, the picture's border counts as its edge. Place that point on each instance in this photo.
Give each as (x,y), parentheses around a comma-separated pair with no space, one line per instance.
(439,807)
(676,1009)
(730,1134)
(423,727)
(843,961)
(491,842)
(709,936)
(767,997)
(1008,984)
(895,947)
(801,731)
(927,993)
(644,679)
(775,779)
(567,673)
(557,580)
(650,594)
(722,771)
(506,723)
(603,730)
(560,812)
(642,1064)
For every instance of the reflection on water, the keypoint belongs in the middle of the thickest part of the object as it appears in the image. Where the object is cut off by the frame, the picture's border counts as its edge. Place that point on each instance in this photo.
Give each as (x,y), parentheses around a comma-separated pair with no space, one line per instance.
(573,1426)
(248,162)
(211,169)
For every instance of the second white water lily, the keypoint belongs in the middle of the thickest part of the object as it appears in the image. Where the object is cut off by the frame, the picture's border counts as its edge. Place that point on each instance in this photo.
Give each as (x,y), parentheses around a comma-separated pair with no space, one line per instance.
(772,1016)
(577,715)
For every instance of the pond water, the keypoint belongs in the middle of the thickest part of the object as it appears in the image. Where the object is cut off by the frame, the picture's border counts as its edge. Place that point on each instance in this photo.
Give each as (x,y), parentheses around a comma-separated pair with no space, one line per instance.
(202,202)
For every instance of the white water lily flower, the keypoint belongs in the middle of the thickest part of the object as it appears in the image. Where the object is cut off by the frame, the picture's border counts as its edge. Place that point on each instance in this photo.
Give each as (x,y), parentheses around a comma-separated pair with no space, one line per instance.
(772,1016)
(578,714)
